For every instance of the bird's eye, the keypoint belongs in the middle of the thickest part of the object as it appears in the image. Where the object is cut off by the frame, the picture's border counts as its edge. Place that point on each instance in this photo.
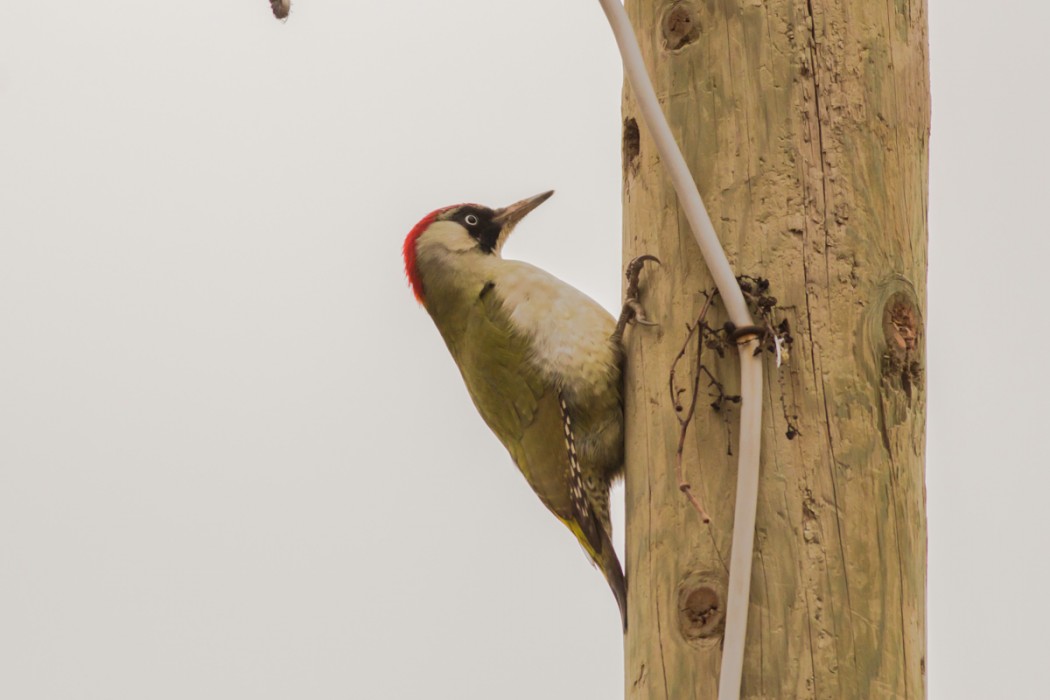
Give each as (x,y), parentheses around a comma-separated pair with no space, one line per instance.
(471,220)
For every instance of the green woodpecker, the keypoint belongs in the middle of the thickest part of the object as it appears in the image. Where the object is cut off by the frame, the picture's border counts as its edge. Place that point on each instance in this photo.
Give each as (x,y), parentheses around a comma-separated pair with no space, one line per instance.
(541,360)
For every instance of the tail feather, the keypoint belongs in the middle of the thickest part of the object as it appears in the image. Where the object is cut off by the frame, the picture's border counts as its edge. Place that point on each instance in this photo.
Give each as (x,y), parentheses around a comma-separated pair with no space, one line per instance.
(606,560)
(610,566)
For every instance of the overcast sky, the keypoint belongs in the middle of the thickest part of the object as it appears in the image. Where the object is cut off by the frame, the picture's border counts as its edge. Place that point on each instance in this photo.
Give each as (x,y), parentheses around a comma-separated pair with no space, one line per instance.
(236,460)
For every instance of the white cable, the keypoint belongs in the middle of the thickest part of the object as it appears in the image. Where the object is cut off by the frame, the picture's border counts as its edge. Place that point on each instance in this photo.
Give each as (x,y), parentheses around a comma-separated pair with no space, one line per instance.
(739,593)
(681,178)
(750,366)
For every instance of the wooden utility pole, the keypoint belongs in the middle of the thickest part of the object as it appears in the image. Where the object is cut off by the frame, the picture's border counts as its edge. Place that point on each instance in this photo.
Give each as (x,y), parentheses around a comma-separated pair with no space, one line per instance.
(806,125)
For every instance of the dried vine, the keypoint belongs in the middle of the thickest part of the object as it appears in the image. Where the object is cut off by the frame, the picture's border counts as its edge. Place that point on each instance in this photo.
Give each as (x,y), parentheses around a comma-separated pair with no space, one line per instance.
(774,338)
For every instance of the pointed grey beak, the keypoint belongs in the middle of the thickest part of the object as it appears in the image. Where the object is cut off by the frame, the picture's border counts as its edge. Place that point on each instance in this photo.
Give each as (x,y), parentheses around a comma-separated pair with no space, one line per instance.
(512,214)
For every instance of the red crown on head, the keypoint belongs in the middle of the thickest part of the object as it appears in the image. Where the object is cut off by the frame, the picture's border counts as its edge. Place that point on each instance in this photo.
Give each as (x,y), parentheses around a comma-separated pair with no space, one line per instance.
(409,249)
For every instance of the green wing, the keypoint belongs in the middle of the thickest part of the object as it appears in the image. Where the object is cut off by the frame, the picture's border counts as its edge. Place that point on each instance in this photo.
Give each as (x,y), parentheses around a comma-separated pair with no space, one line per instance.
(528,415)
(515,401)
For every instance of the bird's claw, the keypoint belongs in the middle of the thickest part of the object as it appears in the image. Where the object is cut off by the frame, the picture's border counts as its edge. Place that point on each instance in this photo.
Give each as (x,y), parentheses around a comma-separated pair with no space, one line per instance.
(638,313)
(634,268)
(632,308)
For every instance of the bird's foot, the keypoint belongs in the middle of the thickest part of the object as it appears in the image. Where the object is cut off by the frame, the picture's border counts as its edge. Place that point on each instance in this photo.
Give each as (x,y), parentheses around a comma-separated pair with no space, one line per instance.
(632,309)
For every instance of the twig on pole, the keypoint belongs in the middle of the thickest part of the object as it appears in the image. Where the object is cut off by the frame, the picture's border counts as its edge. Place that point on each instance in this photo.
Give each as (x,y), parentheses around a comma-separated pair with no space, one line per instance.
(696,329)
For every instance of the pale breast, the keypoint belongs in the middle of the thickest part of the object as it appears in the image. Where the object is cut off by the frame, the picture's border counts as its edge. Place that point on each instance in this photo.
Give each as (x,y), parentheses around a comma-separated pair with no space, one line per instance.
(569,330)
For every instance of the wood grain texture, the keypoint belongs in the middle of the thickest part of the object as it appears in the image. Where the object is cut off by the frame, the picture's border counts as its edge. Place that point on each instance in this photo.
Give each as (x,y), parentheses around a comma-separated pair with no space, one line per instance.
(806,124)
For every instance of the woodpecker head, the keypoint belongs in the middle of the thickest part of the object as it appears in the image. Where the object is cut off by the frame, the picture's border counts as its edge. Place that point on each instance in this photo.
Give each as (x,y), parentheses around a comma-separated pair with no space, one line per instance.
(464,229)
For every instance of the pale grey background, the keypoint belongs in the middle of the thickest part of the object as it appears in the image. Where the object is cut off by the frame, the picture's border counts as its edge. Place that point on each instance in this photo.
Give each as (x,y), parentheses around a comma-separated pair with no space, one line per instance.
(235,458)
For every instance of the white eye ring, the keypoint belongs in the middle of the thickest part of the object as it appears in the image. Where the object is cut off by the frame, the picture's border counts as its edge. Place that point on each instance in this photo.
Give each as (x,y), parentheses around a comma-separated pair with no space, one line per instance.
(471,220)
